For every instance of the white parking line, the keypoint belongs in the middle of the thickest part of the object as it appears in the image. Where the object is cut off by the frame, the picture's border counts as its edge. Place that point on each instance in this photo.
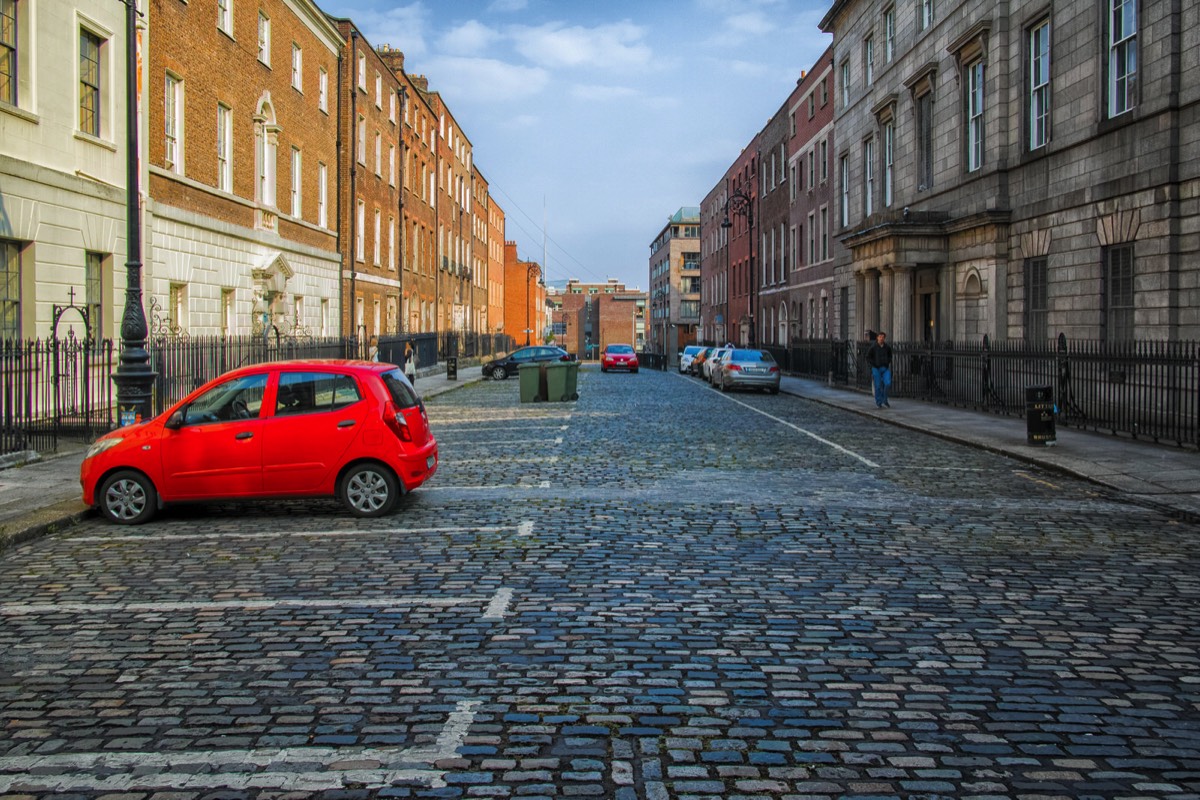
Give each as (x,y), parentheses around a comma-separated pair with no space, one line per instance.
(173,537)
(381,603)
(798,429)
(261,768)
(498,608)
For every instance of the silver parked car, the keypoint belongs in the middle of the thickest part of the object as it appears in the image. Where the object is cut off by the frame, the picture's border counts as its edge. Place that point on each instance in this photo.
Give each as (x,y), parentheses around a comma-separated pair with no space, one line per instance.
(748,369)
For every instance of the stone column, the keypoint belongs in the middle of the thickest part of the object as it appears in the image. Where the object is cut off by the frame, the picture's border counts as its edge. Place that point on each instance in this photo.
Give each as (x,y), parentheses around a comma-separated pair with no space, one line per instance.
(887,304)
(869,316)
(902,303)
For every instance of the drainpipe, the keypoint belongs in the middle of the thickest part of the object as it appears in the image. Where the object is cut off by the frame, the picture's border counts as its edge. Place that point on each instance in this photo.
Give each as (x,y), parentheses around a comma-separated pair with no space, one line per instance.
(353,306)
(341,287)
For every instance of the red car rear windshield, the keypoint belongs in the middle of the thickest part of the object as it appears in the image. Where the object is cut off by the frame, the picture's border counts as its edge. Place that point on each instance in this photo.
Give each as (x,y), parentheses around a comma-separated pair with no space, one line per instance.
(402,394)
(620,348)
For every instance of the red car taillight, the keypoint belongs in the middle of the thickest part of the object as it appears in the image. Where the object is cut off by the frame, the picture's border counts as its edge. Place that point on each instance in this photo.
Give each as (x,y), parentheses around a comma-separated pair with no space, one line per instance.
(774,369)
(395,420)
(733,368)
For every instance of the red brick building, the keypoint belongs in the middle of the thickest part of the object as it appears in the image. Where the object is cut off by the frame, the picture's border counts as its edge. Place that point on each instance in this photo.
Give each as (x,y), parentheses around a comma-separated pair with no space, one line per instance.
(495,271)
(727,289)
(524,297)
(242,168)
(369,99)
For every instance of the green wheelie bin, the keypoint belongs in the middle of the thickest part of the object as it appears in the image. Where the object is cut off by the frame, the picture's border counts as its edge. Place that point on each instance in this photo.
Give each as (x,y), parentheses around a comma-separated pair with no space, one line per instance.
(533,382)
(562,381)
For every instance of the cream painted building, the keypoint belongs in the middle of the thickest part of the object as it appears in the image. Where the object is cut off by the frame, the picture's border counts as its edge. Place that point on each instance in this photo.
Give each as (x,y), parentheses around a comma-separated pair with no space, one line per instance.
(62,166)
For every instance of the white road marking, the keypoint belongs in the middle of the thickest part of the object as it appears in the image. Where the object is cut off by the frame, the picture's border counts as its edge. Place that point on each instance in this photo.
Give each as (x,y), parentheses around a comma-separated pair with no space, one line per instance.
(171,537)
(798,429)
(498,608)
(384,603)
(343,766)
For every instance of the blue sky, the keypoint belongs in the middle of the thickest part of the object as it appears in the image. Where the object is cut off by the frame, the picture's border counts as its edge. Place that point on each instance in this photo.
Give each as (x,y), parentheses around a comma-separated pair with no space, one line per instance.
(603,118)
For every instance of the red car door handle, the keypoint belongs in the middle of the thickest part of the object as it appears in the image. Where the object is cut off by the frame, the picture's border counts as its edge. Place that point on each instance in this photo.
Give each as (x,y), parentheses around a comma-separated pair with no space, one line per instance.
(346,423)
(244,435)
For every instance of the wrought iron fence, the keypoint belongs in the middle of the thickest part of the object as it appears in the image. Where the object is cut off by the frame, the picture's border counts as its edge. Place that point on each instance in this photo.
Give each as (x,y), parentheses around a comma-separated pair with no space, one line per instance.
(54,388)
(1141,389)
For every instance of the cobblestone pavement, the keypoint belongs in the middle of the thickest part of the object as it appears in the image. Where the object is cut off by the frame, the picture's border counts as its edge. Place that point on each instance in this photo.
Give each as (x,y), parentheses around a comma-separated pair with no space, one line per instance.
(656,592)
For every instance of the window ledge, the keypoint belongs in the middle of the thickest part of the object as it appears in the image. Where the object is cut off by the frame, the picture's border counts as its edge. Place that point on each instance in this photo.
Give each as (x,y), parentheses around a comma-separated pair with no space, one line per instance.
(87,137)
(21,113)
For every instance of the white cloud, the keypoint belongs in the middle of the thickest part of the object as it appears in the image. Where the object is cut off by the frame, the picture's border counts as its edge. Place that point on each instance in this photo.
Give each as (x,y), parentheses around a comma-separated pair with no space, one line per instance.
(485,80)
(402,27)
(618,46)
(469,39)
(603,94)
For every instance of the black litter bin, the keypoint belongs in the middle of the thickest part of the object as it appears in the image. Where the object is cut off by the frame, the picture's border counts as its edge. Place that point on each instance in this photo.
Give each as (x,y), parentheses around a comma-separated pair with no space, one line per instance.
(452,368)
(1039,415)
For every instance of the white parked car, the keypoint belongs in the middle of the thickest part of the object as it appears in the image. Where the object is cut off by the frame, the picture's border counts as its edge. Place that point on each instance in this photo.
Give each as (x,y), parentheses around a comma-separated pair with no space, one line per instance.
(685,358)
(713,363)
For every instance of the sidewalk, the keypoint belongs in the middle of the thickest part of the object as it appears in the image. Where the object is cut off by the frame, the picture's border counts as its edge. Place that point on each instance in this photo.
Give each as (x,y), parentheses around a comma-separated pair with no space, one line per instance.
(44,495)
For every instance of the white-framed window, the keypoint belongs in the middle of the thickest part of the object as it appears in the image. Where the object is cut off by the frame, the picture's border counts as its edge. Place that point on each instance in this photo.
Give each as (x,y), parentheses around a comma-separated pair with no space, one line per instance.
(392,243)
(92,49)
(889,162)
(296,182)
(889,34)
(824,160)
(378,90)
(812,168)
(378,154)
(360,247)
(391,165)
(392,108)
(361,140)
(869,60)
(1039,85)
(1122,56)
(322,194)
(224,148)
(323,90)
(845,83)
(824,233)
(297,68)
(228,320)
(177,307)
(924,14)
(362,71)
(225,16)
(378,232)
(869,177)
(812,238)
(975,115)
(844,163)
(173,124)
(264,38)
(265,150)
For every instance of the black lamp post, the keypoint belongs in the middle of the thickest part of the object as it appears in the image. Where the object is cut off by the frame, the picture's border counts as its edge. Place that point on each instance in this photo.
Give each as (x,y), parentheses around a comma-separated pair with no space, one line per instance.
(741,203)
(134,377)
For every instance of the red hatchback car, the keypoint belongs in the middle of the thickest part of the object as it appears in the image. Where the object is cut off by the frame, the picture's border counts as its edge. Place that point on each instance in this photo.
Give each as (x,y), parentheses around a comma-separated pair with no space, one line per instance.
(619,356)
(355,430)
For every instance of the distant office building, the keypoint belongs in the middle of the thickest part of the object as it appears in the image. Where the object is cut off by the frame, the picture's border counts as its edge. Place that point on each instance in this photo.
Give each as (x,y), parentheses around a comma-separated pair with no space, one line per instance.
(674,297)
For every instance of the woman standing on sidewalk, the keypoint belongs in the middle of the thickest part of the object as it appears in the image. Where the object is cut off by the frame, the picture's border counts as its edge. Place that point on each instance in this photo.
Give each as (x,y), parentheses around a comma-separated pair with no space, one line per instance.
(879,356)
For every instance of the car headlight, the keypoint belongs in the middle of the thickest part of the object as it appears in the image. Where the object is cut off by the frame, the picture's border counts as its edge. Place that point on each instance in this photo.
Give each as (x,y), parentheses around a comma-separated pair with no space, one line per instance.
(101,445)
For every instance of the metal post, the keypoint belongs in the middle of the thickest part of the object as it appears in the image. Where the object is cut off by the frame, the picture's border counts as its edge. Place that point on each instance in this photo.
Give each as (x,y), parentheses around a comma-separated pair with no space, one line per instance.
(133,376)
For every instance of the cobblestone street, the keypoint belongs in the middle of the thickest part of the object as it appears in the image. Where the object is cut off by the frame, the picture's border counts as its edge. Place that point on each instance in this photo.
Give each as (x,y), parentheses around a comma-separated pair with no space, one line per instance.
(659,591)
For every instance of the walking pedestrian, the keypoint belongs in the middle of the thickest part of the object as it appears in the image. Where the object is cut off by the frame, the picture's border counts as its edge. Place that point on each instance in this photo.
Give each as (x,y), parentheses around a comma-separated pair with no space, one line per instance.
(879,356)
(410,361)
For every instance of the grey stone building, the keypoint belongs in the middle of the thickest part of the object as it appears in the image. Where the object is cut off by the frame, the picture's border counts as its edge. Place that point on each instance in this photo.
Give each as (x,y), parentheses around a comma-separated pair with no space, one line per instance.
(1018,170)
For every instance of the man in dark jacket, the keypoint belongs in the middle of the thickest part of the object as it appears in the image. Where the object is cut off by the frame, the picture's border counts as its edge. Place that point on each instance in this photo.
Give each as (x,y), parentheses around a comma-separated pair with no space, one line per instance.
(879,356)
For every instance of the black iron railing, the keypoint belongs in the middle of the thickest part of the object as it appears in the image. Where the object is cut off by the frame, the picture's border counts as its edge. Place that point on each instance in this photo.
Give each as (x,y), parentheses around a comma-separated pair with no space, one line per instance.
(1145,389)
(54,388)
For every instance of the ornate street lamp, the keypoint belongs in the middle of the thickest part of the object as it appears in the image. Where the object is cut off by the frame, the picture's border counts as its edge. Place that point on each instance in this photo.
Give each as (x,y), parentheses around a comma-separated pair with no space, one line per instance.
(134,377)
(741,203)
